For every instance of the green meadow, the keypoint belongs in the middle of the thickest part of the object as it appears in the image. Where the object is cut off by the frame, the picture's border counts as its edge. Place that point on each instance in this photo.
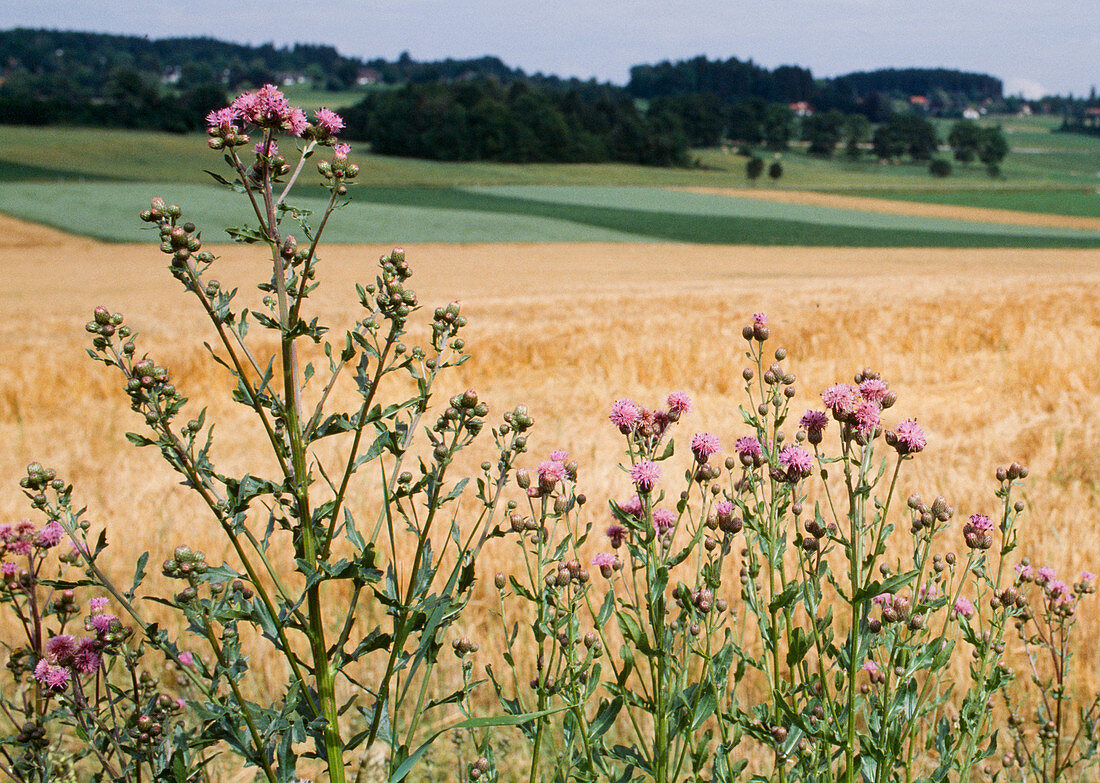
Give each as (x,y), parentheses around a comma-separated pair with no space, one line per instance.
(94,181)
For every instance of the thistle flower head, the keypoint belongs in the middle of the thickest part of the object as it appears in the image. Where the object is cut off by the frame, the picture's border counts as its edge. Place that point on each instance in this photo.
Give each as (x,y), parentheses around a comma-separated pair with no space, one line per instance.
(625,414)
(616,534)
(704,445)
(645,475)
(50,535)
(328,122)
(908,437)
(748,446)
(842,400)
(52,677)
(813,421)
(678,404)
(664,520)
(796,463)
(963,607)
(867,418)
(874,389)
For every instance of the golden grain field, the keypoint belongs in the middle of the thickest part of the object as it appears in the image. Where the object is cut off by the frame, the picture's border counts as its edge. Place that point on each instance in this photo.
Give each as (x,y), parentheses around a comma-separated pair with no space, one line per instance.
(995,352)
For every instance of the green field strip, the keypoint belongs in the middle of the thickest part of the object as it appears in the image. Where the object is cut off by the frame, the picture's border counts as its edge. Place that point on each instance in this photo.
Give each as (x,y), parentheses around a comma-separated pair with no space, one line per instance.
(699,204)
(109,212)
(1073,203)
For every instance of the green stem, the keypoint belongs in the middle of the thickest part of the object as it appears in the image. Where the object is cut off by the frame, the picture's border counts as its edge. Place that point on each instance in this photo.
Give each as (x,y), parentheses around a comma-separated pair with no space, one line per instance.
(322,666)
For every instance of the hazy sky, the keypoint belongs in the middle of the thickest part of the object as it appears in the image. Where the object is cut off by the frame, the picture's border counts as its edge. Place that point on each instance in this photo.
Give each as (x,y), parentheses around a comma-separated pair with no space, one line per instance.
(1041,45)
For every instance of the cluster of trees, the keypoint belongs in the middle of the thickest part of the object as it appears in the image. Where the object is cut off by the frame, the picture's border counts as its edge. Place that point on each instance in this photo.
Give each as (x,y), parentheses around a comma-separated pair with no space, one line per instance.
(486,120)
(482,109)
(728,80)
(870,93)
(709,120)
(961,85)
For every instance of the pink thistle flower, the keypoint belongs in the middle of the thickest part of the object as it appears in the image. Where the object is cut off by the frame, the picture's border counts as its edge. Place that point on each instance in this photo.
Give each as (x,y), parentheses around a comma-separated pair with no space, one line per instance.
(678,404)
(797,463)
(550,473)
(929,592)
(5,532)
(633,507)
(8,569)
(328,121)
(1046,574)
(871,666)
(874,389)
(102,622)
(272,108)
(607,563)
(246,106)
(645,475)
(908,437)
(625,414)
(60,647)
(748,448)
(222,119)
(842,400)
(867,418)
(664,520)
(340,151)
(813,421)
(978,532)
(20,547)
(616,534)
(186,658)
(271,149)
(559,456)
(704,445)
(883,599)
(759,319)
(1024,572)
(87,658)
(1057,588)
(55,678)
(963,607)
(97,604)
(295,123)
(1087,577)
(50,535)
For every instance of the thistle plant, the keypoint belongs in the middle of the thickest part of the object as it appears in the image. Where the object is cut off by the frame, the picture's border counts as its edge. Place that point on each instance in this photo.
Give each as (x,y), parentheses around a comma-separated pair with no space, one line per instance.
(308,570)
(783,600)
(77,669)
(1059,740)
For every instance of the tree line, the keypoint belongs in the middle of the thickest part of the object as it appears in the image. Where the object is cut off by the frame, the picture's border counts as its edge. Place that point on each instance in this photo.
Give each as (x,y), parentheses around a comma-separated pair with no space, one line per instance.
(486,120)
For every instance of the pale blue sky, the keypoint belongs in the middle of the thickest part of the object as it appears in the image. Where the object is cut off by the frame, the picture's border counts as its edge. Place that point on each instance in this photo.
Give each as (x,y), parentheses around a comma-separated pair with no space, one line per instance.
(1042,44)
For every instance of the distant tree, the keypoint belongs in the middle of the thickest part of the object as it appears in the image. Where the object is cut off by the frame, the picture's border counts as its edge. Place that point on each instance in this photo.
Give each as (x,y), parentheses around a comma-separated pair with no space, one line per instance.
(823,131)
(856,128)
(939,167)
(775,170)
(887,143)
(964,139)
(703,117)
(993,147)
(905,133)
(746,121)
(754,168)
(778,126)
